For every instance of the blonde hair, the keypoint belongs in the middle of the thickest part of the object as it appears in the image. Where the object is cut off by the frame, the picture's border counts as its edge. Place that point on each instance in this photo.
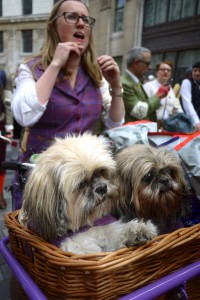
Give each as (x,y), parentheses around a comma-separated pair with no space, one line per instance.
(89,57)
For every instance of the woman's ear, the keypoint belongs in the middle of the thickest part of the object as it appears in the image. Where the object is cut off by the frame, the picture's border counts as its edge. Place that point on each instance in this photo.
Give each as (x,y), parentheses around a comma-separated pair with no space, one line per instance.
(49,26)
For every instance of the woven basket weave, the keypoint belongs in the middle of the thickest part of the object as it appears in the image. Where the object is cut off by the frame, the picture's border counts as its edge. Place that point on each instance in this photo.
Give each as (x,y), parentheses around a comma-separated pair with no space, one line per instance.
(110,275)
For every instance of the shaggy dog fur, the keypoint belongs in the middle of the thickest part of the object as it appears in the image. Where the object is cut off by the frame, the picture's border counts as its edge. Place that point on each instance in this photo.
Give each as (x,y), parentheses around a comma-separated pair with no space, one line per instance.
(151,186)
(70,189)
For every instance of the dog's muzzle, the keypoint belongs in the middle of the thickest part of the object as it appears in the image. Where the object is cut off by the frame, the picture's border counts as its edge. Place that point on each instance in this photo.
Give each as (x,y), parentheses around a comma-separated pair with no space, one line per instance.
(101,191)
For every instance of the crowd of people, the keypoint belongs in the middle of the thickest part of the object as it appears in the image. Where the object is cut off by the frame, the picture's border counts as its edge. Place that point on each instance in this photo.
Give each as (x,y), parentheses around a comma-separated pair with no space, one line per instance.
(156,99)
(85,92)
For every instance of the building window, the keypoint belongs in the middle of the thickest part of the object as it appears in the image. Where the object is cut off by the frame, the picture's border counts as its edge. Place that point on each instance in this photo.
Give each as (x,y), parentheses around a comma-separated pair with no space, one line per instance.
(188,8)
(155,12)
(1,10)
(1,41)
(174,10)
(119,15)
(27,7)
(162,11)
(181,9)
(149,13)
(27,41)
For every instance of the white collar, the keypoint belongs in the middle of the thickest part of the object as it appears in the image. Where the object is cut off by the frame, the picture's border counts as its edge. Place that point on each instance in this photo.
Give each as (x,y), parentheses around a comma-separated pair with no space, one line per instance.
(132,76)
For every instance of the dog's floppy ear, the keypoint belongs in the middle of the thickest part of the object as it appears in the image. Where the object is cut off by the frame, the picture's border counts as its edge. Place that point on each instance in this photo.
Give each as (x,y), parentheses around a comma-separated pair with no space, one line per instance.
(61,218)
(186,199)
(44,204)
(125,203)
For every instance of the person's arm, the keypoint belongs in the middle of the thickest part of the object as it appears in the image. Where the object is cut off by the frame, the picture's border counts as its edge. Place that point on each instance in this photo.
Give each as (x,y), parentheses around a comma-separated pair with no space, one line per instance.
(111,72)
(137,106)
(106,103)
(186,97)
(30,98)
(25,104)
(7,95)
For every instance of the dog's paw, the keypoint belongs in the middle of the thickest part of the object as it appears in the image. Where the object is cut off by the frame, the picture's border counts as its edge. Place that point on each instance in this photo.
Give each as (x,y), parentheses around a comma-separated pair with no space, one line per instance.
(139,232)
(81,244)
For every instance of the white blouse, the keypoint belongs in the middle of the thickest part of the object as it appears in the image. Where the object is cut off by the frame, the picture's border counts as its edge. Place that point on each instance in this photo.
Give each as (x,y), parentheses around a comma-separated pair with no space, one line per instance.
(169,105)
(27,109)
(186,96)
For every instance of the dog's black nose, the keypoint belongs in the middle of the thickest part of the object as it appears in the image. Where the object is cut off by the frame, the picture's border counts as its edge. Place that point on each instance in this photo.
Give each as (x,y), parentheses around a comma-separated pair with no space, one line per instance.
(165,184)
(164,181)
(101,189)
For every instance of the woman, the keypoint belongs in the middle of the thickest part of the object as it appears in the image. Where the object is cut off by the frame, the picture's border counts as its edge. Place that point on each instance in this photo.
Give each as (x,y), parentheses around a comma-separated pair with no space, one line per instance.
(170,105)
(59,91)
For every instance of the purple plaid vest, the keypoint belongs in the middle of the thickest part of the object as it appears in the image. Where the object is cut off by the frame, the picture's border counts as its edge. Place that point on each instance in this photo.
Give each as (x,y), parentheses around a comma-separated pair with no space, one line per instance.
(68,110)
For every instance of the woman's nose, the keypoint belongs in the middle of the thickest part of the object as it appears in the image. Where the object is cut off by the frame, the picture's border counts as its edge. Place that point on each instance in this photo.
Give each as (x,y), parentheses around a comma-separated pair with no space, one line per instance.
(80,21)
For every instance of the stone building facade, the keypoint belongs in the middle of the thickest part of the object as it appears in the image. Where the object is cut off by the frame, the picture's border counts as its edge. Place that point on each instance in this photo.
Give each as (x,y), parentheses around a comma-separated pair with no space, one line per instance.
(169,28)
(22,30)
(118,26)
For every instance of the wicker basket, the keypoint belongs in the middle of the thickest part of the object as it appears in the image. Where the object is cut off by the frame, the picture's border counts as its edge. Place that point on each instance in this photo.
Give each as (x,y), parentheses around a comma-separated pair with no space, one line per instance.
(63,275)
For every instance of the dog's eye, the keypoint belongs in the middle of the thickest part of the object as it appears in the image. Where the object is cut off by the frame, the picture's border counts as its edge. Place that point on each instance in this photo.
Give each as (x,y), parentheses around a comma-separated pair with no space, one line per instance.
(83,184)
(171,173)
(148,177)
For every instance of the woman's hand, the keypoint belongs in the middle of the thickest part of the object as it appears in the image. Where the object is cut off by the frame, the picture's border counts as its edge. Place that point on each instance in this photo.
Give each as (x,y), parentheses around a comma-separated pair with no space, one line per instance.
(63,51)
(110,71)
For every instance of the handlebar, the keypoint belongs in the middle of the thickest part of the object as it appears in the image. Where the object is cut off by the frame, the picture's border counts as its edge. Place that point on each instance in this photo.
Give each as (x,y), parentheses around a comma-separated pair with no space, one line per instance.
(16,166)
(3,132)
(22,168)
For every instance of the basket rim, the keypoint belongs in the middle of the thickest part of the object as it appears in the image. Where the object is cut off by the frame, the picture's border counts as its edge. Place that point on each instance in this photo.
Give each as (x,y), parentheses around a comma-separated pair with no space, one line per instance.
(103,260)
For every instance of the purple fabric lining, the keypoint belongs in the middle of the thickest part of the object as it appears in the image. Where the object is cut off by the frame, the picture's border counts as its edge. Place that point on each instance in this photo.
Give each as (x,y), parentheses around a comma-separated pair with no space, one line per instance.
(175,226)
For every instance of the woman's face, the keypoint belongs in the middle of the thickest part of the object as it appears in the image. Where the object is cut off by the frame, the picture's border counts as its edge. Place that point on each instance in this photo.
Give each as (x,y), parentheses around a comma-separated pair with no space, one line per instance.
(196,74)
(69,32)
(164,73)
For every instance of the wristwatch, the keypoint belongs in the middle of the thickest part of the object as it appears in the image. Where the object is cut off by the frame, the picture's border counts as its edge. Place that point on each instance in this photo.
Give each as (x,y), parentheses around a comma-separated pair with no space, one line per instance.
(120,94)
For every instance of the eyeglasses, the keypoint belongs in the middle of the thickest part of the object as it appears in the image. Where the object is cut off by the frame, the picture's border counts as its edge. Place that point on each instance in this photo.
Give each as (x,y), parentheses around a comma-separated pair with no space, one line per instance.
(147,63)
(165,69)
(73,18)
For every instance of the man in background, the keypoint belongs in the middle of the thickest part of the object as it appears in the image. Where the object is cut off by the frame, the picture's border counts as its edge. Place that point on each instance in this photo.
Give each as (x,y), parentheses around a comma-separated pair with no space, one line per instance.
(138,105)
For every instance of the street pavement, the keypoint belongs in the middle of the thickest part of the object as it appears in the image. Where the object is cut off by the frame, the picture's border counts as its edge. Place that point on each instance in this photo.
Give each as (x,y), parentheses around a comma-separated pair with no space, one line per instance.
(5,272)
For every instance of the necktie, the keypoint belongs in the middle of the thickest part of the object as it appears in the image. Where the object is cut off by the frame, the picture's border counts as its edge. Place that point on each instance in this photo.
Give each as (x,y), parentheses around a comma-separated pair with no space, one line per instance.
(139,86)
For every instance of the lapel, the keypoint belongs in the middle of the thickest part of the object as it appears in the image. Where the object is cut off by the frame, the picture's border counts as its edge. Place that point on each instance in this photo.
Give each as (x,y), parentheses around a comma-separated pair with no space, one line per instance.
(137,87)
(63,84)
